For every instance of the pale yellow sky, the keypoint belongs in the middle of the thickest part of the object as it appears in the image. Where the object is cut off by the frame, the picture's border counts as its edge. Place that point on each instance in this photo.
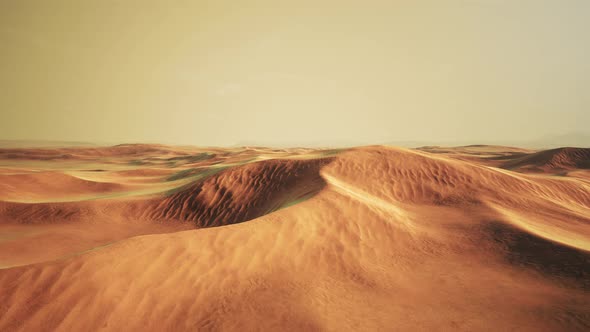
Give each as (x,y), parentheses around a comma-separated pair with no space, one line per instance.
(273,72)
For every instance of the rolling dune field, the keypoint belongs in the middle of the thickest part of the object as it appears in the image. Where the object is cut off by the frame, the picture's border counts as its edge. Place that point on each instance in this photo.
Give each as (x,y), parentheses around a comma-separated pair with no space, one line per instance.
(377,238)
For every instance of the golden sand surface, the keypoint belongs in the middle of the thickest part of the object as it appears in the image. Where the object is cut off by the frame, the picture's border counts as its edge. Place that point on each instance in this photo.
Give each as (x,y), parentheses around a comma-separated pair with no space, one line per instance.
(377,238)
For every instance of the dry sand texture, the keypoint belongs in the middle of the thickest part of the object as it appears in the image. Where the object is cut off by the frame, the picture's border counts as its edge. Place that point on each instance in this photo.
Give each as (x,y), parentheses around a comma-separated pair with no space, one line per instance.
(160,238)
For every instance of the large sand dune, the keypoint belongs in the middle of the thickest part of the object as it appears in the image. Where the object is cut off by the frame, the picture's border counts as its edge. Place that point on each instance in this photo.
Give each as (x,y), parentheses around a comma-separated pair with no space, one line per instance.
(375,238)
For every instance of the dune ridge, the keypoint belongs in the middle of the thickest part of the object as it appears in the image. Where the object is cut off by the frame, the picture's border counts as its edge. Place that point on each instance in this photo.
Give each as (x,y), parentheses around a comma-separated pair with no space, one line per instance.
(242,193)
(553,160)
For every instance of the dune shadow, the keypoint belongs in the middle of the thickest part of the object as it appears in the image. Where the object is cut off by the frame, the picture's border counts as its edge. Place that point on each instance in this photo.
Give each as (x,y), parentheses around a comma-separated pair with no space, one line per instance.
(242,193)
(551,259)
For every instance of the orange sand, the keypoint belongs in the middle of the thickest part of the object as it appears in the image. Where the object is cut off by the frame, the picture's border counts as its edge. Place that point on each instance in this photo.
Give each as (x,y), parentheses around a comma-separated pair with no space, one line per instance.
(373,238)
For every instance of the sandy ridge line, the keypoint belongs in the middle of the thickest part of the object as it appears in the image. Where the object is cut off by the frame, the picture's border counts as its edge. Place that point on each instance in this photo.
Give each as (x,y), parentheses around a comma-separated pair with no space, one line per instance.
(361,195)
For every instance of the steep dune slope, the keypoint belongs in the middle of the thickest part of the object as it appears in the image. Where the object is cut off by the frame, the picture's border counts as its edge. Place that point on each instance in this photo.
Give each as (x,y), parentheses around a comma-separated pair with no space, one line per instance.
(221,198)
(393,240)
(560,204)
(242,193)
(235,195)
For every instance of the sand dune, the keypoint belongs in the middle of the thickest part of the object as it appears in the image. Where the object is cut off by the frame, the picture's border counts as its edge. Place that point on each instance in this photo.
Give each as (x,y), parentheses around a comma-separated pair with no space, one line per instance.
(373,238)
(50,185)
(553,160)
(82,152)
(242,193)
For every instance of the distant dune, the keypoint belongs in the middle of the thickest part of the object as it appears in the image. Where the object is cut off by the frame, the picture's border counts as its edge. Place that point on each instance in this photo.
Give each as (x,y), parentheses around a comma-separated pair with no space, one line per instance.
(5,144)
(160,238)
(553,160)
(49,186)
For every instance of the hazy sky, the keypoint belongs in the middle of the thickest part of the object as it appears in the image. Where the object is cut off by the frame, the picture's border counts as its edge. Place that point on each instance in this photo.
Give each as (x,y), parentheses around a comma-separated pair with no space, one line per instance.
(293,72)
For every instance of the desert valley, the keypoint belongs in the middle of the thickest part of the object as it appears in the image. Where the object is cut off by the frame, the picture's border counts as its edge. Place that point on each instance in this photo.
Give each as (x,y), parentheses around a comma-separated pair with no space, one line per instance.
(167,238)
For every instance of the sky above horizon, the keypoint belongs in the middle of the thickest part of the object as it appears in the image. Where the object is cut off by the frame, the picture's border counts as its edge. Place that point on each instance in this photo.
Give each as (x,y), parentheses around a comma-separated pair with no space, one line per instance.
(323,72)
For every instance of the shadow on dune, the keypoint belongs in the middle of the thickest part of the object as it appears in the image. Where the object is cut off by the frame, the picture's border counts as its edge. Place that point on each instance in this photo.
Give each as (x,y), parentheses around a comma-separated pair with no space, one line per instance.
(555,159)
(551,259)
(224,197)
(242,193)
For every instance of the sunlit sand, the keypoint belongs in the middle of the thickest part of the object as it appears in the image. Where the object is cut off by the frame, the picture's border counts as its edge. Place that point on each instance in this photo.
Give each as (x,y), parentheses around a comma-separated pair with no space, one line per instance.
(155,238)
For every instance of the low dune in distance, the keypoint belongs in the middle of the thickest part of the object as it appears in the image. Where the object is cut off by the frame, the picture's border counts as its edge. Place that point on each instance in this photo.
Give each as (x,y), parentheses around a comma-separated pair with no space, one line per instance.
(378,238)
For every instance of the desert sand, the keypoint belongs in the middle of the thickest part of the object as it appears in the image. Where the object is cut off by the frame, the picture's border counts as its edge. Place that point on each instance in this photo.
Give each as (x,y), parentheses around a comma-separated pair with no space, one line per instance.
(377,238)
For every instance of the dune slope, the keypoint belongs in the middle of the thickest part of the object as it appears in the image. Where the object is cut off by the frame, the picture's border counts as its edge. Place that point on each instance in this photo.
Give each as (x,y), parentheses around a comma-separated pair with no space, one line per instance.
(242,193)
(42,186)
(553,160)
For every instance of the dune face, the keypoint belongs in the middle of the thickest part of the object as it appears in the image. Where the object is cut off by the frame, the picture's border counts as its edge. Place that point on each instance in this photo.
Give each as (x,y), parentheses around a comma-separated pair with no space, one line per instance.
(553,160)
(242,193)
(161,238)
(49,186)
